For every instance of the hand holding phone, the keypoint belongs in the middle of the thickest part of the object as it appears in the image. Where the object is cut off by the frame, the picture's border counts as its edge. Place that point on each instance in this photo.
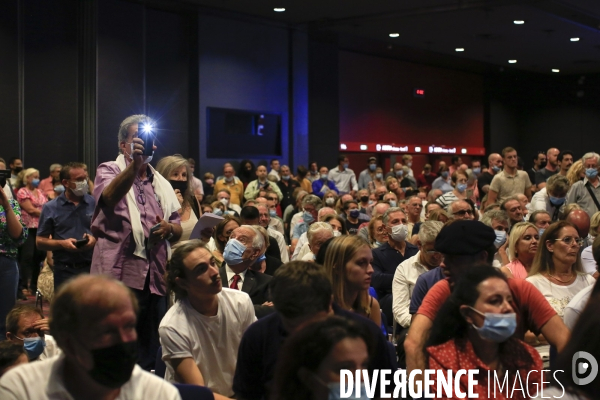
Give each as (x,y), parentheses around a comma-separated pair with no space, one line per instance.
(82,242)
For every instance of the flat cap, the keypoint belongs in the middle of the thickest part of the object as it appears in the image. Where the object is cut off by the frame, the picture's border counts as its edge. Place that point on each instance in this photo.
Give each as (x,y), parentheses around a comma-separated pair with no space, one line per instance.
(464,237)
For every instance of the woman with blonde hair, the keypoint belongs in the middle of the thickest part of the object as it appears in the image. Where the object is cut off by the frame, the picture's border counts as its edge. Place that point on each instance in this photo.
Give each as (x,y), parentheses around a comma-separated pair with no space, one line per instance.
(378,180)
(556,270)
(576,173)
(348,265)
(377,232)
(393,186)
(522,248)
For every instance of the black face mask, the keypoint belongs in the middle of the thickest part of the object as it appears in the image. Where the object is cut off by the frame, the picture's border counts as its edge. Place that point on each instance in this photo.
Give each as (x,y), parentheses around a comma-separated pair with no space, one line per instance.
(181,185)
(18,169)
(364,199)
(542,164)
(114,365)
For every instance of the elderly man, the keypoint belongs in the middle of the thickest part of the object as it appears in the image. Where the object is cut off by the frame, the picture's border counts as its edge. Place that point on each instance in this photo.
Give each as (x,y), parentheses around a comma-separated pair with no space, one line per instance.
(552,197)
(343,177)
(317,234)
(311,205)
(367,175)
(485,179)
(550,169)
(414,206)
(64,226)
(510,181)
(47,185)
(135,220)
(586,193)
(408,271)
(287,184)
(388,256)
(541,219)
(93,321)
(513,209)
(27,326)
(465,244)
(205,313)
(322,184)
(460,209)
(232,183)
(261,183)
(264,220)
(302,245)
(224,196)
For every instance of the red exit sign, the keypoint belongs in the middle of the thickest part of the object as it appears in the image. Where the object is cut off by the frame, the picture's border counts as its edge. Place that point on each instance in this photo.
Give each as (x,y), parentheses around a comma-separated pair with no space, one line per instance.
(419,92)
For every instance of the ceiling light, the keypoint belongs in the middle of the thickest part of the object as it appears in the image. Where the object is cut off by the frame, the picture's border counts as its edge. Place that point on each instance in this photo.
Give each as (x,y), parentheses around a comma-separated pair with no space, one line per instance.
(518,22)
(394,34)
(574,39)
(555,70)
(459,49)
(279,9)
(512,61)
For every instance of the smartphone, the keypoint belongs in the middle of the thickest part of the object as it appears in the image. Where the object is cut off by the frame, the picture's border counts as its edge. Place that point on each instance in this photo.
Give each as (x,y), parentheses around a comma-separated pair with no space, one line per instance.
(146,132)
(82,242)
(4,176)
(154,228)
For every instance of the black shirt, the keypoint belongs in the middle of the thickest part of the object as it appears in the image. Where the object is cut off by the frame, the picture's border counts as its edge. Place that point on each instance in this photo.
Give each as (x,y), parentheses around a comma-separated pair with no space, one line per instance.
(353,228)
(543,174)
(260,345)
(286,191)
(483,180)
(385,261)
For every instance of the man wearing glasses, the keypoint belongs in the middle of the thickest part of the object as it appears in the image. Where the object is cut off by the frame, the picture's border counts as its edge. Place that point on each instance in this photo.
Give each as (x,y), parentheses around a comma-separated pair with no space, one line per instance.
(27,326)
(134,221)
(460,209)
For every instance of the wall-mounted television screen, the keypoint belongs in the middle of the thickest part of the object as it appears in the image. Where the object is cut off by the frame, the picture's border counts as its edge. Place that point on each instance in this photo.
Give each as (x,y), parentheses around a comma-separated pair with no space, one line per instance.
(242,133)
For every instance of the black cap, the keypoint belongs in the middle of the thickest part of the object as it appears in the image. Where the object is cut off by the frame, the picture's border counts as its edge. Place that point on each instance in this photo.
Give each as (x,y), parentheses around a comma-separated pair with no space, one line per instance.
(464,237)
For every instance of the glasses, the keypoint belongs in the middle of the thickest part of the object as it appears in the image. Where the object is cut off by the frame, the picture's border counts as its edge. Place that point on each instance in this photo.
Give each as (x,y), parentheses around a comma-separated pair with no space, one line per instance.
(569,240)
(433,253)
(462,213)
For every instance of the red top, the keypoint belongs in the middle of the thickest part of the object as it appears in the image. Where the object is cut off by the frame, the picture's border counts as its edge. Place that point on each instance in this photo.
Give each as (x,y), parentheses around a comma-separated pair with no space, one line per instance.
(426,180)
(515,356)
(531,307)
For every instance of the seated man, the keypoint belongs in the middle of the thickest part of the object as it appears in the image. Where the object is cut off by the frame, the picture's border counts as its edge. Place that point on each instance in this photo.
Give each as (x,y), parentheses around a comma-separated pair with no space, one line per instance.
(323,212)
(11,355)
(93,320)
(317,234)
(301,294)
(27,326)
(201,333)
(457,241)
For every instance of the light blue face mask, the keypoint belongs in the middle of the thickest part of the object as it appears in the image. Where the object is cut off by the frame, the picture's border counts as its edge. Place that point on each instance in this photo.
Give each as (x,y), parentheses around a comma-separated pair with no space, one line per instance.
(272,213)
(372,167)
(557,201)
(392,203)
(591,173)
(476,171)
(34,347)
(59,189)
(497,327)
(234,250)
(260,259)
(324,177)
(445,174)
(500,238)
(379,175)
(495,168)
(399,172)
(541,232)
(345,165)
(461,187)
(307,217)
(217,211)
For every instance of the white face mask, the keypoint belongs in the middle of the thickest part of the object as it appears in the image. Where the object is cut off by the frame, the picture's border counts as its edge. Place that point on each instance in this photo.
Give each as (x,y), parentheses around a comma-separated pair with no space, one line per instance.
(81,188)
(399,232)
(225,202)
(337,233)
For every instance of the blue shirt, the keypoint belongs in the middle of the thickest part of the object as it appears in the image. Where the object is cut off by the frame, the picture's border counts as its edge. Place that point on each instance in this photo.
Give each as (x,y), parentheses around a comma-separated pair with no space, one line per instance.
(299,229)
(64,220)
(422,286)
(385,261)
(318,185)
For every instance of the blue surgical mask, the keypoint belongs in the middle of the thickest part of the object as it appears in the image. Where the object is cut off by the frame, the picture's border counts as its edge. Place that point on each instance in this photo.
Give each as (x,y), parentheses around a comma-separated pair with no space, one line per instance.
(272,213)
(399,172)
(379,175)
(393,203)
(285,178)
(217,211)
(35,183)
(59,189)
(354,213)
(234,250)
(228,178)
(591,173)
(345,165)
(541,232)
(307,217)
(34,347)
(500,238)
(378,243)
(477,171)
(372,167)
(495,168)
(497,327)
(445,174)
(557,201)
(324,177)
(261,259)
(461,187)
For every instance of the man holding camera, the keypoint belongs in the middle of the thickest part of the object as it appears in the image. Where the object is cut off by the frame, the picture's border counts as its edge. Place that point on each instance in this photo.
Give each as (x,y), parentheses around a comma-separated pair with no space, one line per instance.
(261,183)
(64,226)
(134,223)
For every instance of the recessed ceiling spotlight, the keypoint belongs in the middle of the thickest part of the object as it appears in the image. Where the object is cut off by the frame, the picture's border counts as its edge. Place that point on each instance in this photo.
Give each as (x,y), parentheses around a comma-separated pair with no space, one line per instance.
(394,34)
(518,22)
(555,70)
(459,49)
(279,9)
(512,61)
(574,39)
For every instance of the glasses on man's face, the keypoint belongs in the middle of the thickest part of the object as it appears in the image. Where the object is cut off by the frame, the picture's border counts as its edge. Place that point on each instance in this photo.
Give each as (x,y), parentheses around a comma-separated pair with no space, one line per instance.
(569,240)
(433,253)
(462,213)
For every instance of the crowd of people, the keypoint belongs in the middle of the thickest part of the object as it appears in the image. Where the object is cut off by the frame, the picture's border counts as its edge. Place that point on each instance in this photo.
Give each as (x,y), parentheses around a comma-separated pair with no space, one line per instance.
(486,267)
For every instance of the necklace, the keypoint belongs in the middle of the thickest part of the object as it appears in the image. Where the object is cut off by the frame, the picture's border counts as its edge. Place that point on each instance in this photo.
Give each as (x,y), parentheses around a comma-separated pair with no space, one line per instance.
(560,280)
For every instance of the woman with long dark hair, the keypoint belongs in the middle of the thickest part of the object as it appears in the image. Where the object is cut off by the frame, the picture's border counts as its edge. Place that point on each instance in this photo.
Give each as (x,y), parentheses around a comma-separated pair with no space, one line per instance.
(246,172)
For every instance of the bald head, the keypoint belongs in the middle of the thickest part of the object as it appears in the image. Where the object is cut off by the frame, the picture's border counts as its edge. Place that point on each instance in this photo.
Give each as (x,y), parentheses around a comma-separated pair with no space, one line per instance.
(325,211)
(379,209)
(581,220)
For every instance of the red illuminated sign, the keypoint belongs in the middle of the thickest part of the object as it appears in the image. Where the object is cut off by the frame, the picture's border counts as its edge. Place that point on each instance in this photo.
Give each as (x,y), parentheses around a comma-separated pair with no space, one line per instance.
(419,92)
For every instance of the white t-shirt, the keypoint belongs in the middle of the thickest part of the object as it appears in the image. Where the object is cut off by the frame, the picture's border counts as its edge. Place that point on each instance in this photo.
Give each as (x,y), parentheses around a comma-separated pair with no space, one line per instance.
(576,306)
(50,350)
(560,296)
(44,380)
(211,341)
(588,262)
(283,249)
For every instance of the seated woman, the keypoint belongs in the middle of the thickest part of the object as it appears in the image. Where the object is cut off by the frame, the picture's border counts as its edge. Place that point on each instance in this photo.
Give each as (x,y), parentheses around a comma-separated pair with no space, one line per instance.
(377,181)
(377,232)
(308,366)
(556,271)
(348,264)
(459,184)
(474,330)
(522,247)
(392,185)
(337,223)
(221,236)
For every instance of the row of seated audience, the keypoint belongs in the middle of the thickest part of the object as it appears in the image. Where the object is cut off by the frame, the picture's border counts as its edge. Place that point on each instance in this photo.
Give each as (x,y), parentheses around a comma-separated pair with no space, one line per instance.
(289,286)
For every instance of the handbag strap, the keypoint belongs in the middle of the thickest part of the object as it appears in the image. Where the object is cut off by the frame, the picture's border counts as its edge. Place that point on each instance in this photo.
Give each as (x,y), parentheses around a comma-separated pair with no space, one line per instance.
(589,189)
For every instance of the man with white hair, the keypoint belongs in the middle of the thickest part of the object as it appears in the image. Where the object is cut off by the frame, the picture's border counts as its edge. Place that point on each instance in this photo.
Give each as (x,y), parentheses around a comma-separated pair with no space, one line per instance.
(586,193)
(47,185)
(460,209)
(408,271)
(317,234)
(302,246)
(264,219)
(311,205)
